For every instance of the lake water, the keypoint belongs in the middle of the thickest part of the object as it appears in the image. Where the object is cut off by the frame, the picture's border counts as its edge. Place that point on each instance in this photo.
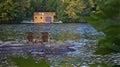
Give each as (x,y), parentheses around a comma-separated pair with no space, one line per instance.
(12,31)
(85,42)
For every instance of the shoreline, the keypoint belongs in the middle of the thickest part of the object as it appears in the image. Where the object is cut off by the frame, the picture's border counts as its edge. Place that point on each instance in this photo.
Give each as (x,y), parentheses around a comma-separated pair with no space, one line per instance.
(40,23)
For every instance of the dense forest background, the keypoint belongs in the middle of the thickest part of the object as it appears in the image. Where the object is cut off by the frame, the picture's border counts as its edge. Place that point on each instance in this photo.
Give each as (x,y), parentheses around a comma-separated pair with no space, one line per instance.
(18,10)
(104,15)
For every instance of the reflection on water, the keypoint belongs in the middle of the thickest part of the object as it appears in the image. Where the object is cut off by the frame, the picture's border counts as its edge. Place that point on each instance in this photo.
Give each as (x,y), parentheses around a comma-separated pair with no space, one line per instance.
(85,42)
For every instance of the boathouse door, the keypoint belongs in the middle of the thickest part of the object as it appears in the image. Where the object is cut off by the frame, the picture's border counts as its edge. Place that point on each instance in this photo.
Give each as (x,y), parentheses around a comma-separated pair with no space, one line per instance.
(48,19)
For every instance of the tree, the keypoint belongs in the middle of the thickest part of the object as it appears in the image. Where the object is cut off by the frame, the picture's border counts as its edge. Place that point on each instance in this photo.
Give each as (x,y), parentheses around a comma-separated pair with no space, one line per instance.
(60,10)
(107,20)
(24,9)
(51,5)
(76,7)
(13,10)
(5,9)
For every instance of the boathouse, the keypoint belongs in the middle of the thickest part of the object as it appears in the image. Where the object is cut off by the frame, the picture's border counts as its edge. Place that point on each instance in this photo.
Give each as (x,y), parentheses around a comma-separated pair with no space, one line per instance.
(44,17)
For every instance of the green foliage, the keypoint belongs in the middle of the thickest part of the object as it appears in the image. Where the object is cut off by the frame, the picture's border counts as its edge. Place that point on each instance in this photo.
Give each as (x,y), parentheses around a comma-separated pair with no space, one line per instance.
(24,9)
(60,10)
(75,7)
(109,9)
(107,19)
(51,5)
(28,62)
(13,9)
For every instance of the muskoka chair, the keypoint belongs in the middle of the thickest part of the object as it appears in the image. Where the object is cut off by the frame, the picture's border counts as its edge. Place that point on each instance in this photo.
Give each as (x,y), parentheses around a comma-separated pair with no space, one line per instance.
(45,37)
(30,37)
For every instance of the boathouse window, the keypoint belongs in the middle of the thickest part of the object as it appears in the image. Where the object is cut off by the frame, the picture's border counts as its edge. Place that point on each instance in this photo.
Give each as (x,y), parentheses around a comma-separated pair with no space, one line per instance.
(40,17)
(35,17)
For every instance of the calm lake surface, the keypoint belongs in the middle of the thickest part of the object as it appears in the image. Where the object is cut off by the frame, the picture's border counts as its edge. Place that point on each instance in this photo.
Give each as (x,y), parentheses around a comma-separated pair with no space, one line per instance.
(12,31)
(85,42)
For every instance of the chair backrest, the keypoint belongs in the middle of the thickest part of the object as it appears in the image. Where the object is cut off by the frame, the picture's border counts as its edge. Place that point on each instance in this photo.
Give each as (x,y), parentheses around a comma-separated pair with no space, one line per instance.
(44,36)
(30,36)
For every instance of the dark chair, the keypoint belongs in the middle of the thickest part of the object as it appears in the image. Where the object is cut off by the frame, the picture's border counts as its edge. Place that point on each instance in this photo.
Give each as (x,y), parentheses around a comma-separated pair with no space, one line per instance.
(30,37)
(44,36)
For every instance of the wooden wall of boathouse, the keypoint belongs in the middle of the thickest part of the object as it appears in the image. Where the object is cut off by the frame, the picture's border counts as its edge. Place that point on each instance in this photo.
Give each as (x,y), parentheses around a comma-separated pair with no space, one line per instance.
(44,17)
